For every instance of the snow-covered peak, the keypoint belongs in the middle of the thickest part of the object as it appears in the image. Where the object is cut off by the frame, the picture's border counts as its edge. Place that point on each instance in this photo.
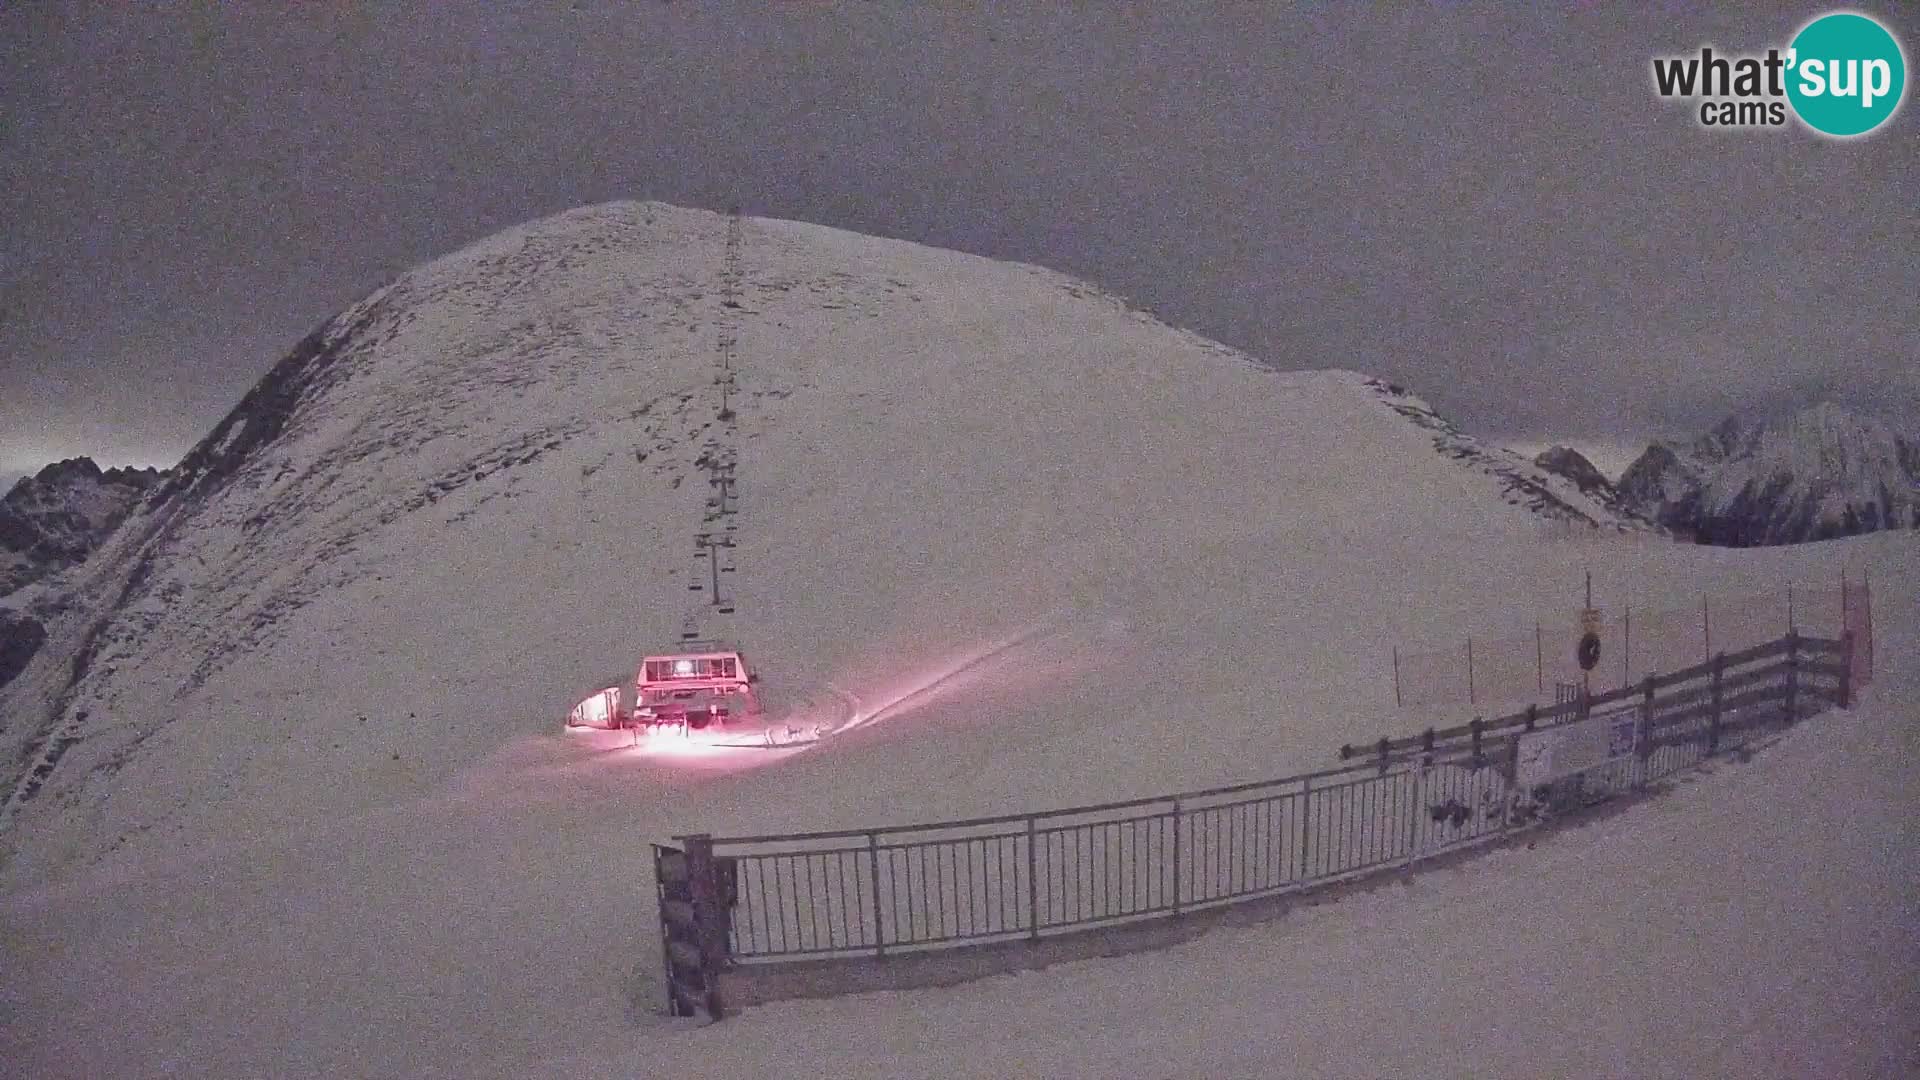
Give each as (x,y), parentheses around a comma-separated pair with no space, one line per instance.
(1820,472)
(1572,464)
(497,475)
(1822,442)
(50,520)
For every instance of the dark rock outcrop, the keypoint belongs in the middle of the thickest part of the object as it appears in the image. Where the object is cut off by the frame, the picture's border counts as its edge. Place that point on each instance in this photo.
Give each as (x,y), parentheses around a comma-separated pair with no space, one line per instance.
(1572,464)
(20,638)
(53,519)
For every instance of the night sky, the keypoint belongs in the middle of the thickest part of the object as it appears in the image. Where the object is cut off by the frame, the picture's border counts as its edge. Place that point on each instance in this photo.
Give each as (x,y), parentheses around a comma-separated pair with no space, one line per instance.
(1490,206)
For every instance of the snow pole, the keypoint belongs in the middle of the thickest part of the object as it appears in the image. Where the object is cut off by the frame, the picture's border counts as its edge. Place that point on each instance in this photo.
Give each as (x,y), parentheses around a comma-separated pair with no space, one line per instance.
(1469,670)
(1866,619)
(1397,703)
(1866,590)
(1539,661)
(1846,669)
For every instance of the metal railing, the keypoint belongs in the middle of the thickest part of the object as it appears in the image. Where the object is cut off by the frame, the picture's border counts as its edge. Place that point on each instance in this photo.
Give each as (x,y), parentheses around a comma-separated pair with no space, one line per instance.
(876,892)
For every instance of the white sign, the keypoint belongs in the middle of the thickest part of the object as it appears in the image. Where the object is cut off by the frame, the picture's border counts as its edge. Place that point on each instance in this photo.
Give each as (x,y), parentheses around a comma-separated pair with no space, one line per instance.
(1555,752)
(1589,620)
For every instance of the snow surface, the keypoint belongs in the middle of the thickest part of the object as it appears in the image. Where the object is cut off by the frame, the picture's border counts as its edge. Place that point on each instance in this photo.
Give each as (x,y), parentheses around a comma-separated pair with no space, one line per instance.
(1760,921)
(320,818)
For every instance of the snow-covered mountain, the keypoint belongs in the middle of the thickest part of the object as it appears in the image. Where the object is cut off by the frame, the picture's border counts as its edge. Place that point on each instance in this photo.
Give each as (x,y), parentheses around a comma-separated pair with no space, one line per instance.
(51,520)
(518,443)
(1815,474)
(1572,464)
(288,789)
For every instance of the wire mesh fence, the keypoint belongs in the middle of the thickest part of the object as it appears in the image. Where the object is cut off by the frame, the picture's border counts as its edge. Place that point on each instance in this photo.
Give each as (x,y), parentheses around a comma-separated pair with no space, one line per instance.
(1634,642)
(901,889)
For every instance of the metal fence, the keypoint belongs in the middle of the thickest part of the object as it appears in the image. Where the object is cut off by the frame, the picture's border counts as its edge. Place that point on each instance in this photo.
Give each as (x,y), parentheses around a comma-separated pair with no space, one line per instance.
(921,887)
(883,891)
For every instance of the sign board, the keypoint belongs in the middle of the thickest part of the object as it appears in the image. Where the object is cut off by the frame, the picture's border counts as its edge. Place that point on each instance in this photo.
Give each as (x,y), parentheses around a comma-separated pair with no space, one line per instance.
(1551,753)
(1586,652)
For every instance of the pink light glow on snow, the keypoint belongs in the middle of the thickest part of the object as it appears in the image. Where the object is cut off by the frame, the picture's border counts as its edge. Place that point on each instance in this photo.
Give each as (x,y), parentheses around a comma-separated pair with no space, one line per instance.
(1014,661)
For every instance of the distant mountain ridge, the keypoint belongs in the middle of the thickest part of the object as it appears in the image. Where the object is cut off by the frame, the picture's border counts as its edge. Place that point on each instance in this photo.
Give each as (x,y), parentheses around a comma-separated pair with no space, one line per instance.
(1549,486)
(1817,474)
(55,518)
(1572,464)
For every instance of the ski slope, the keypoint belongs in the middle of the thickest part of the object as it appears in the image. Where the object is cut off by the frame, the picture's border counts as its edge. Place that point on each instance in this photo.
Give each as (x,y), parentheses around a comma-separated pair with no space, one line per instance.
(317,816)
(502,927)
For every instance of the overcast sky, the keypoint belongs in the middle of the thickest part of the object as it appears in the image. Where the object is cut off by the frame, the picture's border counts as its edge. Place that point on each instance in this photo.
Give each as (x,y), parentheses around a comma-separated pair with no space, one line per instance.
(1490,205)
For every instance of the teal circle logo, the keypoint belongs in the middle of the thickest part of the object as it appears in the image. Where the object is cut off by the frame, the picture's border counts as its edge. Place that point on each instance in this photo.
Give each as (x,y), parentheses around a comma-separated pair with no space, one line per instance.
(1846,74)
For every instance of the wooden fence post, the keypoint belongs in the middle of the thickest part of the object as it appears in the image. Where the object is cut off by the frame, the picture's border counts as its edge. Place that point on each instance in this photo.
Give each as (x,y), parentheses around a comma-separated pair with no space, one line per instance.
(679,932)
(704,886)
(1706,626)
